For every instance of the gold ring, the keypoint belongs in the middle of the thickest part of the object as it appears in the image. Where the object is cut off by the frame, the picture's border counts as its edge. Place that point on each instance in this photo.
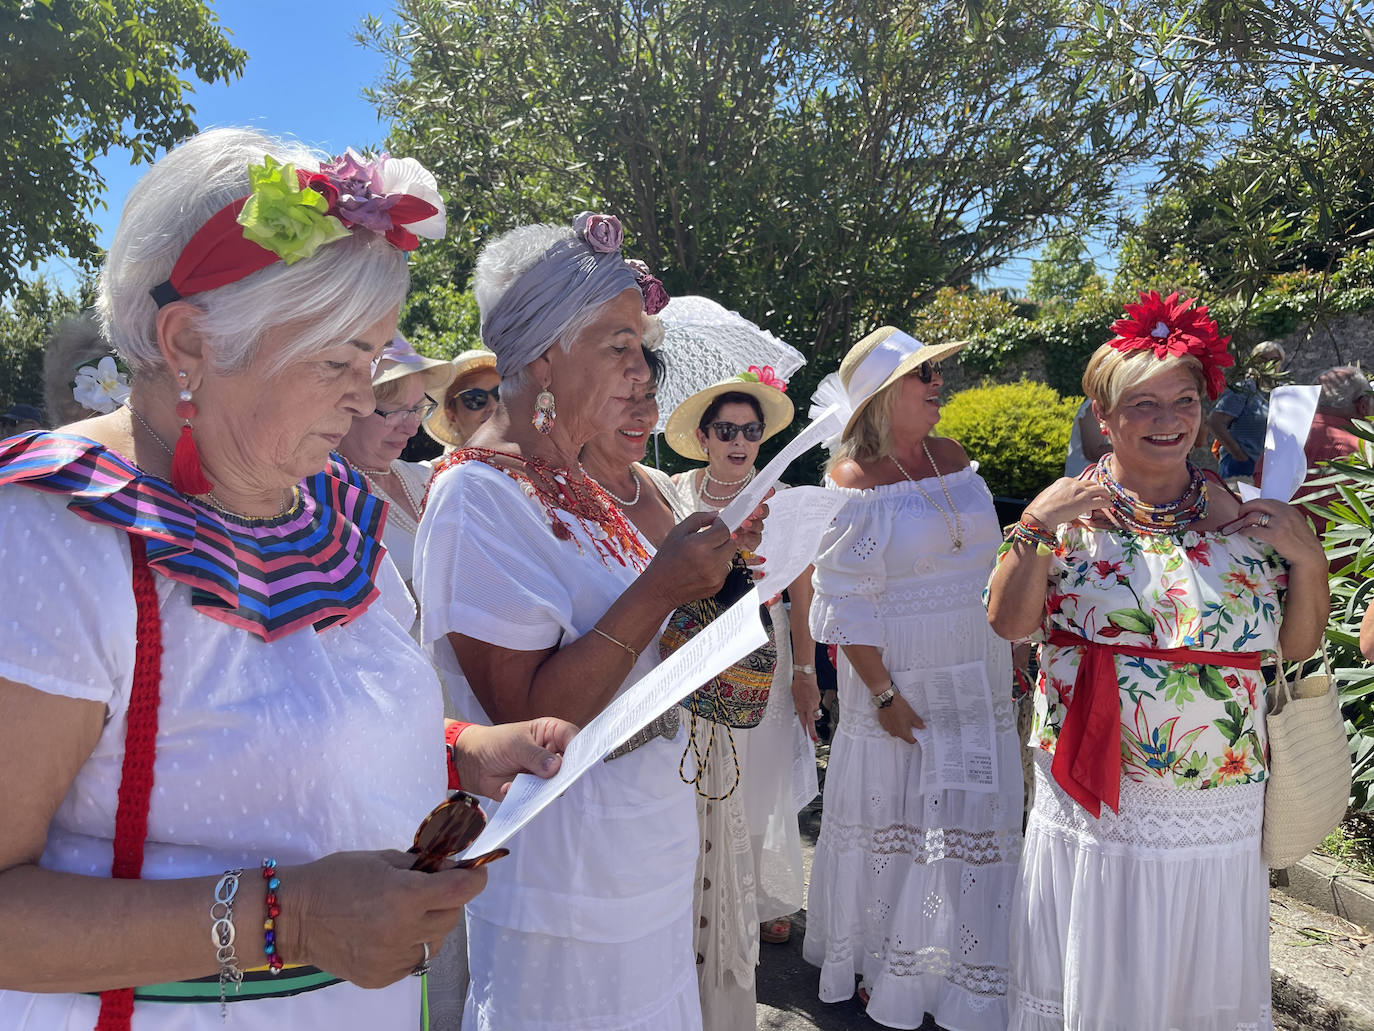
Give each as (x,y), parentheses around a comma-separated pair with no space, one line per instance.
(1264,519)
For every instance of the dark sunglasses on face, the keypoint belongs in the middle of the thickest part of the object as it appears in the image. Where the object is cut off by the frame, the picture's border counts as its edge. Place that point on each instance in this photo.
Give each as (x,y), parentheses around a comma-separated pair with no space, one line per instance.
(475,398)
(926,371)
(422,411)
(725,431)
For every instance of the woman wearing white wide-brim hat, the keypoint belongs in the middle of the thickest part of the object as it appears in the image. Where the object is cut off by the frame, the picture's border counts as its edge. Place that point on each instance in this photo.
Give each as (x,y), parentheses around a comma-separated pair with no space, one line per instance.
(750,877)
(911,882)
(468,402)
(405,388)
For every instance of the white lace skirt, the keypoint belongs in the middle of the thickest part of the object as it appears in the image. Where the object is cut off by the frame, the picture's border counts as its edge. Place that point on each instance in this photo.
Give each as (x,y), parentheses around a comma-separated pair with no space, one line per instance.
(912,889)
(1155,918)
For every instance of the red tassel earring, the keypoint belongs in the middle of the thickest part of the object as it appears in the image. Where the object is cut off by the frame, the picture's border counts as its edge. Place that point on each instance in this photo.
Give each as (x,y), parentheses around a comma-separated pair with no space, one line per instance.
(187,475)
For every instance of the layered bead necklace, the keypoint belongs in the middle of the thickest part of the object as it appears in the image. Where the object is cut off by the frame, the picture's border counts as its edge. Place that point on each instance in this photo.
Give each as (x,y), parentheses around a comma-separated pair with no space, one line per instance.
(739,485)
(370,475)
(956,526)
(623,502)
(1141,517)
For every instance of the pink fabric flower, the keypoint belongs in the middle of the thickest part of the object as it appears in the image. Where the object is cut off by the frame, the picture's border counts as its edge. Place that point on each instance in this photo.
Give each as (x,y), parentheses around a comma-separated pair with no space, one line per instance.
(769,378)
(602,233)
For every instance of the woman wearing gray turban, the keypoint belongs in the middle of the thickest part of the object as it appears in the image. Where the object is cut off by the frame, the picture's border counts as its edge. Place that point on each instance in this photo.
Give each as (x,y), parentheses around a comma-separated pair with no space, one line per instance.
(539,596)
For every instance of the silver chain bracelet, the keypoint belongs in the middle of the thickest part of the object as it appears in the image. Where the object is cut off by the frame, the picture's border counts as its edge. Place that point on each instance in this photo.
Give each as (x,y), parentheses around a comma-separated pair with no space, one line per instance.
(222,936)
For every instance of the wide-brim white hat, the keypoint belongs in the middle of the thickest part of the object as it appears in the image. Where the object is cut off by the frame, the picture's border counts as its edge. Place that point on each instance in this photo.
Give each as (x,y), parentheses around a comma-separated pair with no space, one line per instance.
(438,425)
(680,431)
(879,360)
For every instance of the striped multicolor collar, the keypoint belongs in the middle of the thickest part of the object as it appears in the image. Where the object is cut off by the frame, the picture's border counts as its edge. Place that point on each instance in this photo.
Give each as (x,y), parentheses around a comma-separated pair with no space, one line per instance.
(315,565)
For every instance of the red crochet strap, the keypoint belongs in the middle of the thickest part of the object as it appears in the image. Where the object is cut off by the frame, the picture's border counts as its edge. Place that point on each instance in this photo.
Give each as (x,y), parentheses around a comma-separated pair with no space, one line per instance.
(136,779)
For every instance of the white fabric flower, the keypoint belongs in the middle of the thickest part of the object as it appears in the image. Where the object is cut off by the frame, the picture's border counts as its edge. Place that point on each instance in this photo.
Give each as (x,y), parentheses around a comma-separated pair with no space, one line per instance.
(102,387)
(406,175)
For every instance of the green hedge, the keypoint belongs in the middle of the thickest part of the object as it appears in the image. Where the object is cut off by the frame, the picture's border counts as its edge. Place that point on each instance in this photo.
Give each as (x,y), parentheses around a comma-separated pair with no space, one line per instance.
(1017,432)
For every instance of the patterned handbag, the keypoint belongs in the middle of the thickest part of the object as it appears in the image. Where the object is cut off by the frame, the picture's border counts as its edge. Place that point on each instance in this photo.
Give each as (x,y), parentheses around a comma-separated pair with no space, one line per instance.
(737,697)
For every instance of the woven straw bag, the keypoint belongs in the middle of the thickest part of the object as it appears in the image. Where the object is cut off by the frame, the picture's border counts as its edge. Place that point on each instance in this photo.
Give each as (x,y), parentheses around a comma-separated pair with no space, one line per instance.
(1309,766)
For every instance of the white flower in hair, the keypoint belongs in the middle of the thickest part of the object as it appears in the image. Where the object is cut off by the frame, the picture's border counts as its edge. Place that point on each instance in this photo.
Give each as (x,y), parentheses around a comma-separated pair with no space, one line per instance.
(102,387)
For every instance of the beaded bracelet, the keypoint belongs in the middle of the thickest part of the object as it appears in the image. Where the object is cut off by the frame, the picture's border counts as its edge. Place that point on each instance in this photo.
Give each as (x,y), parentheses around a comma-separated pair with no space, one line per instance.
(269,926)
(222,934)
(1042,540)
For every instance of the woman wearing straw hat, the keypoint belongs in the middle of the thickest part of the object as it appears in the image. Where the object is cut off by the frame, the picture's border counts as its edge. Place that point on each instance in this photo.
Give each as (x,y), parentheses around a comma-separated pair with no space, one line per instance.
(469,401)
(404,385)
(751,845)
(912,879)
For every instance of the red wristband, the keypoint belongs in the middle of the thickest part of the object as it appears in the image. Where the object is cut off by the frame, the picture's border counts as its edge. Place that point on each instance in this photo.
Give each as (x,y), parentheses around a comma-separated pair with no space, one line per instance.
(451,735)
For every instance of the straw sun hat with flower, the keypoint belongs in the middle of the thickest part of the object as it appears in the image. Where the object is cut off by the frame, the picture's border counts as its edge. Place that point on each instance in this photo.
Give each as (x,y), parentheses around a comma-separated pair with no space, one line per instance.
(438,425)
(872,365)
(759,383)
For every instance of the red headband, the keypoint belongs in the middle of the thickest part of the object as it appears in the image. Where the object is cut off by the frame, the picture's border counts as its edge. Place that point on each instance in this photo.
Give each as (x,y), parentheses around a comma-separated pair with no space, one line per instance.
(290,213)
(1174,327)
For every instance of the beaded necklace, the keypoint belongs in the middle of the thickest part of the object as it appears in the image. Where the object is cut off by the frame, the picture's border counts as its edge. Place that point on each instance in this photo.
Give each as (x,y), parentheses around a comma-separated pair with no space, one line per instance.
(558,493)
(708,496)
(1141,517)
(623,502)
(956,527)
(370,476)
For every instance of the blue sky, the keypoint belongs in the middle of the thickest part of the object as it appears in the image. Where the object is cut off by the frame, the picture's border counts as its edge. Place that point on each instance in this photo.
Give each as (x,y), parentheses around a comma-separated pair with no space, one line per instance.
(304,78)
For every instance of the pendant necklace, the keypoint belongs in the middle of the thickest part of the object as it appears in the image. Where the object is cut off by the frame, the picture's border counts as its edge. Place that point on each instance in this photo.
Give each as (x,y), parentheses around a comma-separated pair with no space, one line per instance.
(955,528)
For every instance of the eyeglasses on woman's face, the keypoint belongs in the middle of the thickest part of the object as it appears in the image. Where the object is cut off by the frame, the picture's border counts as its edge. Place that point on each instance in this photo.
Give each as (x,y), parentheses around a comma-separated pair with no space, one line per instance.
(475,398)
(420,412)
(726,431)
(925,372)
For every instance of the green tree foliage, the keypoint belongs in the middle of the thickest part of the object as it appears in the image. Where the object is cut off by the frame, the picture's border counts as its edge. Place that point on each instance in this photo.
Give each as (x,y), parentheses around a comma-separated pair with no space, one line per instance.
(959,313)
(1017,432)
(25,322)
(1062,272)
(80,77)
(823,169)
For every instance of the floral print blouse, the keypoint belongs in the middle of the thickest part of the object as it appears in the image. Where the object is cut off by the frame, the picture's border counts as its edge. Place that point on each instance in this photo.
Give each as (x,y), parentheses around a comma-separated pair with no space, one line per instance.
(1183,725)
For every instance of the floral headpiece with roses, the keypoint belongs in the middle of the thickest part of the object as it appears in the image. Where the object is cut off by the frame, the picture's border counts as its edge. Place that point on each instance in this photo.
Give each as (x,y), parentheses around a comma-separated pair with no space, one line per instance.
(290,213)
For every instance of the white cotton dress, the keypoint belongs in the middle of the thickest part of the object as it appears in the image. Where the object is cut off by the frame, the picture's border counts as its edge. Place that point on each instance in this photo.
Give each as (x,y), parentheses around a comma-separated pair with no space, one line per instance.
(587,925)
(750,842)
(312,744)
(911,889)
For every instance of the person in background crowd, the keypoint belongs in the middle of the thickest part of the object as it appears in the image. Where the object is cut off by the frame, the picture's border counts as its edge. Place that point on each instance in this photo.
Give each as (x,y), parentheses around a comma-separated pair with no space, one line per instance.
(750,878)
(1241,414)
(469,400)
(19,418)
(1087,442)
(1143,902)
(912,880)
(81,376)
(217,730)
(537,594)
(404,387)
(1346,395)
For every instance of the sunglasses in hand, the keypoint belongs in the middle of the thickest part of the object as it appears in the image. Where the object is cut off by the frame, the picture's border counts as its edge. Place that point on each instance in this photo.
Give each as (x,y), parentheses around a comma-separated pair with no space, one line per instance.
(726,431)
(452,826)
(475,398)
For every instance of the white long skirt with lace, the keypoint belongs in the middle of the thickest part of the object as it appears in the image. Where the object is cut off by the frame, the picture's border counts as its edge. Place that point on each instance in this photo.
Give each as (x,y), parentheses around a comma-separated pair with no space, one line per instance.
(1154,918)
(912,889)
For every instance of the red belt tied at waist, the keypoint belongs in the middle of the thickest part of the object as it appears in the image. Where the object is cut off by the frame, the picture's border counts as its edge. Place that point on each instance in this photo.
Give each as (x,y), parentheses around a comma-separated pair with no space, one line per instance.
(1087,756)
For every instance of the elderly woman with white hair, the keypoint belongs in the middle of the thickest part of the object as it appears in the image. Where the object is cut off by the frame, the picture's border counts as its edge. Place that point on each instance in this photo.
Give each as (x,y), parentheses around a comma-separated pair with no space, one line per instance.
(202,622)
(538,595)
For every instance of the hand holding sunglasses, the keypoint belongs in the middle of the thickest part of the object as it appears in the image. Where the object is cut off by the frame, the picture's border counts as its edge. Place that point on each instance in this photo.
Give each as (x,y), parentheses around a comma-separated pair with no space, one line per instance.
(451,826)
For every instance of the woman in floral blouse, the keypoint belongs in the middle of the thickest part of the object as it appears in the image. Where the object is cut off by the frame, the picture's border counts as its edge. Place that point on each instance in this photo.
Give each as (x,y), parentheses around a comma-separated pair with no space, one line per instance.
(1154,594)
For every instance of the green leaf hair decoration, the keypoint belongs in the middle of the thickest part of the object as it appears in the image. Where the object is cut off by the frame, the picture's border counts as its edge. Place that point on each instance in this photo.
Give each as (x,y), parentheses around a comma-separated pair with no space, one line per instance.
(290,222)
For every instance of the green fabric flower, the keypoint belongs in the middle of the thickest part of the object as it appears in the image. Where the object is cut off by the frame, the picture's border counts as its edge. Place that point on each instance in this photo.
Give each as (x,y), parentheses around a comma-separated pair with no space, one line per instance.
(285,219)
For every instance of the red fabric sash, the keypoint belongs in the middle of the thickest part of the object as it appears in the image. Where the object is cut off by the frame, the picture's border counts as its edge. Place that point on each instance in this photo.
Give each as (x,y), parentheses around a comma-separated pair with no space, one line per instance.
(1087,756)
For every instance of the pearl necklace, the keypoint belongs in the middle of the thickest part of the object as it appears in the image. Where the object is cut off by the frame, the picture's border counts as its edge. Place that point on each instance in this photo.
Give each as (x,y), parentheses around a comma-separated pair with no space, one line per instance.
(368,475)
(707,478)
(621,501)
(955,528)
(209,498)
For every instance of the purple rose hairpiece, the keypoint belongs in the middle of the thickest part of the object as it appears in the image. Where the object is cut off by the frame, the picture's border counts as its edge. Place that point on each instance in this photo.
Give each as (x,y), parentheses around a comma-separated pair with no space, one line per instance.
(602,233)
(655,294)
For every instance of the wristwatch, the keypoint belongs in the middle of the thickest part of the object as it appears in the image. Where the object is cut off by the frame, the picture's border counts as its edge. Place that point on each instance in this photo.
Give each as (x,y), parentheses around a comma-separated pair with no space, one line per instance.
(797,667)
(883,699)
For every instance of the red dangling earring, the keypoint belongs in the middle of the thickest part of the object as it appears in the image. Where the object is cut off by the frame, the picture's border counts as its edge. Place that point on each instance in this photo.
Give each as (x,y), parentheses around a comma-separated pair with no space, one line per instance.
(187,475)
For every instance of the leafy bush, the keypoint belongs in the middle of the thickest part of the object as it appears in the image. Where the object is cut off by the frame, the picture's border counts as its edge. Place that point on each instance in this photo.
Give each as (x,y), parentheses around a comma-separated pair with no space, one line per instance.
(1017,432)
(1348,504)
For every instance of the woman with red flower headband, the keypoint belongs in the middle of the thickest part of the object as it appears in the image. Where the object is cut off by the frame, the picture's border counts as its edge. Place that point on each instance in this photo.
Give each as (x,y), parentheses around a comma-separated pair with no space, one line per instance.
(1155,595)
(207,666)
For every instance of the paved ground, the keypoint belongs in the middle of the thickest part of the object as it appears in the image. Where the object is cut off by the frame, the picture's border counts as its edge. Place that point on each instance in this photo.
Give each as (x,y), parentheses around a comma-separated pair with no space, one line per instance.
(1323,970)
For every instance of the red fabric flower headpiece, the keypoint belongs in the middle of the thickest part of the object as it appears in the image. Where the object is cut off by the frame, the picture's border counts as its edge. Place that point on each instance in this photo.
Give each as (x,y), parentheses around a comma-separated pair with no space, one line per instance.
(1174,327)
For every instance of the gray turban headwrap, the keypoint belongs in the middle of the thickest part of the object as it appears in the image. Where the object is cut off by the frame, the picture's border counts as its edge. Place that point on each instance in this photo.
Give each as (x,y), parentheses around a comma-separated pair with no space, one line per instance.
(538,307)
